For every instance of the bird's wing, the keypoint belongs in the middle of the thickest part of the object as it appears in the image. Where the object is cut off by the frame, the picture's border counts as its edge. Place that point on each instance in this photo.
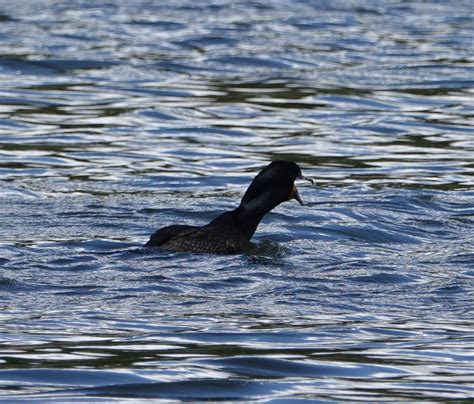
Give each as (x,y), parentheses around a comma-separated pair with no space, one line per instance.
(205,240)
(166,233)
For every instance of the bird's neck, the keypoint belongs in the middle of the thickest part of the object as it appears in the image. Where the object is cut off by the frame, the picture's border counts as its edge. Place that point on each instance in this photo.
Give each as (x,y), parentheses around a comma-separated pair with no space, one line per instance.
(250,214)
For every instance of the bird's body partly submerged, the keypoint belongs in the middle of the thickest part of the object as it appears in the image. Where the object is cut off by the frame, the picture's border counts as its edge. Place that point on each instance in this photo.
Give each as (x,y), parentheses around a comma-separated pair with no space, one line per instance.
(230,232)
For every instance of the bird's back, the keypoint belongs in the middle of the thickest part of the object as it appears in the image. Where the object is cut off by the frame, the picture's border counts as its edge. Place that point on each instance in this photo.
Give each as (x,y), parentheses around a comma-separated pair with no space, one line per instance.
(221,236)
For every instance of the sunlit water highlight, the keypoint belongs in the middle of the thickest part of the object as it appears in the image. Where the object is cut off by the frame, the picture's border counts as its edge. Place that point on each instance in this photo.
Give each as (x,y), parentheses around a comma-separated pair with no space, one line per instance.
(117,118)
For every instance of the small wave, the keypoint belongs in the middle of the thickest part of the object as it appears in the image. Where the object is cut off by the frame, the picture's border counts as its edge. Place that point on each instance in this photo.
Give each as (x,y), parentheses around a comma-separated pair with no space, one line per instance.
(7,281)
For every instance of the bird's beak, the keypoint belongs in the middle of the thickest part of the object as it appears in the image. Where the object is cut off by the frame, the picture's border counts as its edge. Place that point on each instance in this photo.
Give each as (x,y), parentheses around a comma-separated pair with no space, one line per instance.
(302,177)
(295,195)
(294,192)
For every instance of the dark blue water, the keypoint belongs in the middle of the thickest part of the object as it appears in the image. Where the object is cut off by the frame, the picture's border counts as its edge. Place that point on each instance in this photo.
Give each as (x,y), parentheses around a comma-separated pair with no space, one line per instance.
(118,118)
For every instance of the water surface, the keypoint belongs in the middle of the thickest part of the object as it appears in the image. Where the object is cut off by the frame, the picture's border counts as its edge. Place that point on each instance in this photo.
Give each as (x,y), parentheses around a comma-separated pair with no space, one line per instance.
(117,119)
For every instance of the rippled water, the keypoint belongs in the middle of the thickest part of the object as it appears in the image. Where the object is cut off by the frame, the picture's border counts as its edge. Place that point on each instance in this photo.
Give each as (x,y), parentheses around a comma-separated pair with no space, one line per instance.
(117,118)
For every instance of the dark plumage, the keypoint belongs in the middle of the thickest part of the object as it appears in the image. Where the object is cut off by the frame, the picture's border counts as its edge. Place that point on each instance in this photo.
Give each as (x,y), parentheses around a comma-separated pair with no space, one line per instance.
(231,231)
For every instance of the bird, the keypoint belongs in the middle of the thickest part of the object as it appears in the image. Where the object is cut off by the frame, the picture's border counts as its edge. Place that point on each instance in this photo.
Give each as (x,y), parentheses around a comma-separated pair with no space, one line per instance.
(231,232)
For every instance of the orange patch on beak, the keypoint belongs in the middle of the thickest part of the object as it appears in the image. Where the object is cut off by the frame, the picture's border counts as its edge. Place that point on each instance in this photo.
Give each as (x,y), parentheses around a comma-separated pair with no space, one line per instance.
(295,195)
